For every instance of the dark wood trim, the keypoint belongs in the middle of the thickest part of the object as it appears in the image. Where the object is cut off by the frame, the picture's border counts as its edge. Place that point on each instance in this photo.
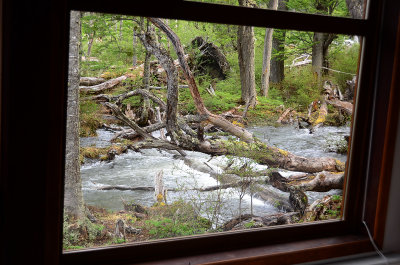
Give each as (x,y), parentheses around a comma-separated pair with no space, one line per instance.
(203,244)
(227,14)
(286,253)
(389,147)
(35,39)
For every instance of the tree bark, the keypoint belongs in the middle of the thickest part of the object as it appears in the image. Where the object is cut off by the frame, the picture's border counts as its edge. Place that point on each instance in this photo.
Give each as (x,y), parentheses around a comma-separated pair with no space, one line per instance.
(245,43)
(267,54)
(73,198)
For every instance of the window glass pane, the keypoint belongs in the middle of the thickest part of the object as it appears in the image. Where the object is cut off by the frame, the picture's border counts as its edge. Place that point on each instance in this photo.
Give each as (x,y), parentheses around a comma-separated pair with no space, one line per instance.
(340,8)
(160,145)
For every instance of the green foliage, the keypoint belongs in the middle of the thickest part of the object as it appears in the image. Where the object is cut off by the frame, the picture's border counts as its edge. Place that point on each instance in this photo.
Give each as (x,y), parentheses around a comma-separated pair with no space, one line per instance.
(344,59)
(177,219)
(324,7)
(119,241)
(89,118)
(78,234)
(299,88)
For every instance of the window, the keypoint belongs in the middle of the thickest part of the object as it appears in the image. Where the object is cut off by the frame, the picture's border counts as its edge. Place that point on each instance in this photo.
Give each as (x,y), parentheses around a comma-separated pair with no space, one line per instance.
(232,186)
(172,249)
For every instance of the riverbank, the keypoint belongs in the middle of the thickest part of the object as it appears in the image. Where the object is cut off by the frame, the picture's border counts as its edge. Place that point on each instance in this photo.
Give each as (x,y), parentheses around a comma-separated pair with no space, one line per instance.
(139,224)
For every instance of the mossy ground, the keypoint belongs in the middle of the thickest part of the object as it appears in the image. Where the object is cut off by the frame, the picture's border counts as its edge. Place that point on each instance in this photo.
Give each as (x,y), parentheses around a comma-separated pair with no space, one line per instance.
(160,221)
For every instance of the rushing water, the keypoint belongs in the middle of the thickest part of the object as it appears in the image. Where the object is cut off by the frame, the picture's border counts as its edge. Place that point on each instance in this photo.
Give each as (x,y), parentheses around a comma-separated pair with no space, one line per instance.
(139,168)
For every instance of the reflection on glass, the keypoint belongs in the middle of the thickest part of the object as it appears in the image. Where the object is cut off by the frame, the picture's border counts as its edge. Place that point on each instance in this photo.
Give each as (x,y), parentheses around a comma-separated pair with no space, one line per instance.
(258,135)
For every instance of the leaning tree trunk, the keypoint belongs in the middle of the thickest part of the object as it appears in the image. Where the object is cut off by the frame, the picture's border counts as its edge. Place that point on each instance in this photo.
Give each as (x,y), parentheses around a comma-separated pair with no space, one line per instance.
(201,108)
(266,67)
(73,199)
(245,42)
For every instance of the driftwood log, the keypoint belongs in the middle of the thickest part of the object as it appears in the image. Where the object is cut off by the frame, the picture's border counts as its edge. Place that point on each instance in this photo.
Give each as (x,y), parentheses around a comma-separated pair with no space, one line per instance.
(96,89)
(322,113)
(321,182)
(347,107)
(91,81)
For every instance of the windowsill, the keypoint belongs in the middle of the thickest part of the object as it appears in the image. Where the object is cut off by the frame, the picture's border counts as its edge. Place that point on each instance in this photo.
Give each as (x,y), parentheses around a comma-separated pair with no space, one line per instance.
(285,253)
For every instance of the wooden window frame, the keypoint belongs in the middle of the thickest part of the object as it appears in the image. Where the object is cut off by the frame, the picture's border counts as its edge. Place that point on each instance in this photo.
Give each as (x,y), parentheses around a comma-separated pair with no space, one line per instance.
(282,244)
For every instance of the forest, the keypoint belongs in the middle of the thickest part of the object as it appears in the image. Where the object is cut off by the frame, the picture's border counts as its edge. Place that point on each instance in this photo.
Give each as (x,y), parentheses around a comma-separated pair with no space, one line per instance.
(178,128)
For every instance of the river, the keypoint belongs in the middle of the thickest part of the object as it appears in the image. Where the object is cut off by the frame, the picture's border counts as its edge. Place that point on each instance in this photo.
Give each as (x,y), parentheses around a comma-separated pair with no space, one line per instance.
(139,168)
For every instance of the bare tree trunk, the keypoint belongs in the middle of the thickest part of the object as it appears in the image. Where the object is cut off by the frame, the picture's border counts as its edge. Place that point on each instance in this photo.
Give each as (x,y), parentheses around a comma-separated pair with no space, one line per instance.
(245,42)
(134,57)
(73,198)
(266,69)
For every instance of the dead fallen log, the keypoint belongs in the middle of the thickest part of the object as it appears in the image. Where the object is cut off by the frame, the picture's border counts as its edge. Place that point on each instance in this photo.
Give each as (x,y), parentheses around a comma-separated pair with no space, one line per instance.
(347,107)
(246,221)
(321,182)
(91,81)
(103,86)
(284,114)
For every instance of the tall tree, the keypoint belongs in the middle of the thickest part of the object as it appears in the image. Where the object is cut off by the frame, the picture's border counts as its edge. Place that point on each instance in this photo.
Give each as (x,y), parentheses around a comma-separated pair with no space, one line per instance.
(245,40)
(321,41)
(73,198)
(266,67)
(356,8)
(277,64)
